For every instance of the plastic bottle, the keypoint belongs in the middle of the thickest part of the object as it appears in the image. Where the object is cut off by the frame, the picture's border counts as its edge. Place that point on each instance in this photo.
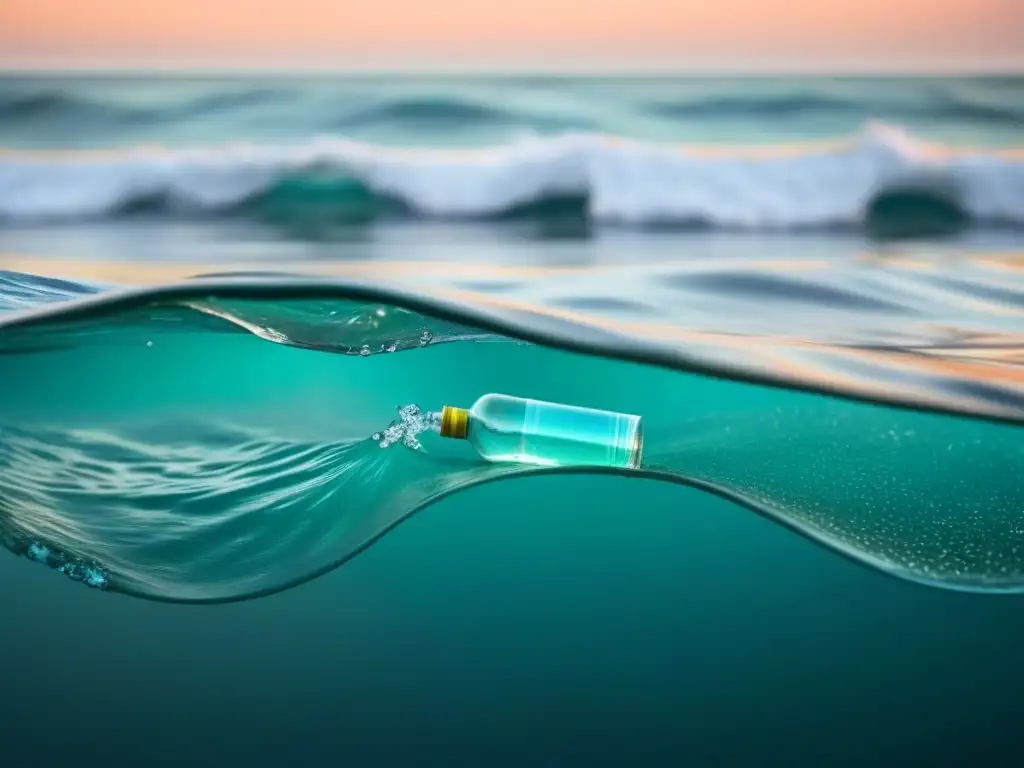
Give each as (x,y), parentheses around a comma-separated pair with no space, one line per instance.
(515,429)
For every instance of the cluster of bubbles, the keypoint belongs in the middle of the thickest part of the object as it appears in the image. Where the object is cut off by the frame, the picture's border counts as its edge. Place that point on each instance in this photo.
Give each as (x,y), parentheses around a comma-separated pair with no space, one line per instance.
(72,567)
(365,351)
(410,424)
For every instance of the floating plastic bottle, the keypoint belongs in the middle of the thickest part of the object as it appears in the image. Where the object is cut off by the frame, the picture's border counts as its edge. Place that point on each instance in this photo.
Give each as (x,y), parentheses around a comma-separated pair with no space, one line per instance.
(514,429)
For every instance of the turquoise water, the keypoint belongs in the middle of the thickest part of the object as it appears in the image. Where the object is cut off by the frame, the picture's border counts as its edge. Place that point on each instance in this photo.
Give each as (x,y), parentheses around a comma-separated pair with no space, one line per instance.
(191,457)
(315,159)
(809,288)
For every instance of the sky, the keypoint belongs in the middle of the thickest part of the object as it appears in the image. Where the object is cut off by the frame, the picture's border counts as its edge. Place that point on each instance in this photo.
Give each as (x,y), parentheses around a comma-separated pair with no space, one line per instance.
(525,34)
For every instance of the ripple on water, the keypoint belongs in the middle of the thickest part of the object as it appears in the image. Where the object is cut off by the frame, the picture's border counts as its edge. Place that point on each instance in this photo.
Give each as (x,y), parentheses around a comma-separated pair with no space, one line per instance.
(213,465)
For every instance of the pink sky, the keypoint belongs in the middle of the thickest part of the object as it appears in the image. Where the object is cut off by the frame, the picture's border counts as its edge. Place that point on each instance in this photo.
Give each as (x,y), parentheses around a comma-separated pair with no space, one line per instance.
(815,34)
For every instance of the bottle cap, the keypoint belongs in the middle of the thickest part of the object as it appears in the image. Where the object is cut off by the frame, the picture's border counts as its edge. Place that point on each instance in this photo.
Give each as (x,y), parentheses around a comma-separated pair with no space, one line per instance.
(454,422)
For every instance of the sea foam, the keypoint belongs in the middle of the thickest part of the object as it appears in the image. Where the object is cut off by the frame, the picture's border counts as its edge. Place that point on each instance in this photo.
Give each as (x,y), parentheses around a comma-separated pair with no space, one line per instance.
(615,181)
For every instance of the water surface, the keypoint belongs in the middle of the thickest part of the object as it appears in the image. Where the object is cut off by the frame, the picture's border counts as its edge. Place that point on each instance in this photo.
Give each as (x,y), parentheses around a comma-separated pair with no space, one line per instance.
(810,288)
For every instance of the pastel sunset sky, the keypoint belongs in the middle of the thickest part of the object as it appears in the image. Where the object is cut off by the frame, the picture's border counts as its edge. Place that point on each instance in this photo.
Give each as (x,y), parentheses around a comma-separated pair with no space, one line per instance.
(526,34)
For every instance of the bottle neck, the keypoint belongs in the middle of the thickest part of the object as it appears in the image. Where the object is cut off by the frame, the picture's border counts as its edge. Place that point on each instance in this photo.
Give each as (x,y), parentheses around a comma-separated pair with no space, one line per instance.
(454,422)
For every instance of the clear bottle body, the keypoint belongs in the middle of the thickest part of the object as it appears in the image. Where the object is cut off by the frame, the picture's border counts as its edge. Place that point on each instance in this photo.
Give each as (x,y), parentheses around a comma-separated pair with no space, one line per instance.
(504,428)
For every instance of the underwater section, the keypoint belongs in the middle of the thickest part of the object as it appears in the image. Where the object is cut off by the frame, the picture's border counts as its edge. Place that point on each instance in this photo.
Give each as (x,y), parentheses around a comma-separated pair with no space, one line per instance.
(206,446)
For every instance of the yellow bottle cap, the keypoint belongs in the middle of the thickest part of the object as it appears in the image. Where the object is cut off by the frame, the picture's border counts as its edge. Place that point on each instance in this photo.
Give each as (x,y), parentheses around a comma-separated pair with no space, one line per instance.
(454,422)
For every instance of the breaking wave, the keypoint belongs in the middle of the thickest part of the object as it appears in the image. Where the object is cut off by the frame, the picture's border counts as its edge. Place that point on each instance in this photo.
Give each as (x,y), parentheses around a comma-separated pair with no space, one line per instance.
(882,182)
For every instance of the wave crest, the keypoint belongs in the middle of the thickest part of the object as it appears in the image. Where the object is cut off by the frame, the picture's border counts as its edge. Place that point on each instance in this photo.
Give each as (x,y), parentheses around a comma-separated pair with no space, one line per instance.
(59,107)
(940,106)
(184,464)
(609,181)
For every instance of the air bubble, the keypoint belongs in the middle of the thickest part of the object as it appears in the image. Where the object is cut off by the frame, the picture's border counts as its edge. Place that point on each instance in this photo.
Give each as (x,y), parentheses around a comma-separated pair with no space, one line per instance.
(411,423)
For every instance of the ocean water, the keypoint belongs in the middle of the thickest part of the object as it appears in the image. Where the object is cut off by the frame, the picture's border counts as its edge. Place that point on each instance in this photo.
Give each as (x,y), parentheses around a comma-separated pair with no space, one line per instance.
(224,300)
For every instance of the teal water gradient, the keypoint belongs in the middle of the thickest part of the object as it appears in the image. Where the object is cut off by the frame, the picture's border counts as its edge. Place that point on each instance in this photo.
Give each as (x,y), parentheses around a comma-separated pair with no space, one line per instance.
(552,620)
(191,463)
